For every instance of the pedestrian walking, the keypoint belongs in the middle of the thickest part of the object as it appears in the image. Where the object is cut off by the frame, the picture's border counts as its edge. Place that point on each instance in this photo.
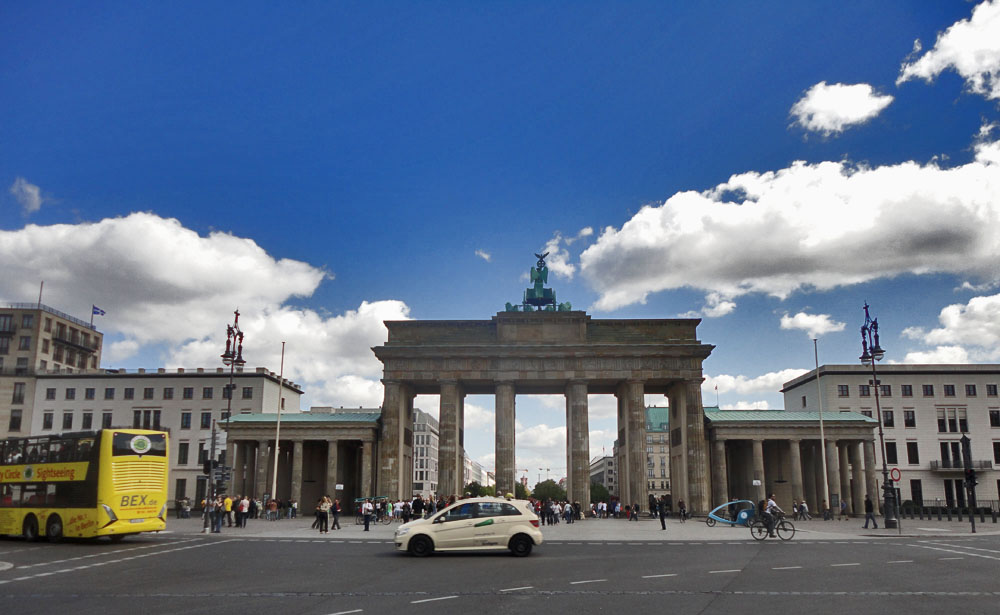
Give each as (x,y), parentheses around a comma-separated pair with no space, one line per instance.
(663,512)
(870,513)
(843,510)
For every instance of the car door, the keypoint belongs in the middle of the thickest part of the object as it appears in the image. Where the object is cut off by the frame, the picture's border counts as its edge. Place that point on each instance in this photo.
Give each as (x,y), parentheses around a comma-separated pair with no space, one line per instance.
(488,528)
(455,528)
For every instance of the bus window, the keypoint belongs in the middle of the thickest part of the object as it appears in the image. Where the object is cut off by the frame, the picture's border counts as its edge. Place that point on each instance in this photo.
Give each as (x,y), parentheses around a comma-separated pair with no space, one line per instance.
(33,495)
(83,449)
(7,495)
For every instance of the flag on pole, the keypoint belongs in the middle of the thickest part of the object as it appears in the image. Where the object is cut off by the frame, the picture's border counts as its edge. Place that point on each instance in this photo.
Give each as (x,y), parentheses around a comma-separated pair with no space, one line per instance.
(97,311)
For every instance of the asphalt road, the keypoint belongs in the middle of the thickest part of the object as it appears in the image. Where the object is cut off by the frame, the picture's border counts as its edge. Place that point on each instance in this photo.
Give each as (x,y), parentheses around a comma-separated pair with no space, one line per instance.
(284,576)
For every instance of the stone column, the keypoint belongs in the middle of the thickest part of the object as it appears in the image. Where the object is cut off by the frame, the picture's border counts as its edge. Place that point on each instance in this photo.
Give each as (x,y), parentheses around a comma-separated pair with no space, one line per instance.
(451,468)
(504,438)
(390,450)
(578,443)
(758,469)
(297,471)
(697,450)
(332,452)
(871,486)
(720,483)
(845,475)
(857,475)
(795,456)
(632,424)
(233,461)
(366,469)
(261,485)
(832,471)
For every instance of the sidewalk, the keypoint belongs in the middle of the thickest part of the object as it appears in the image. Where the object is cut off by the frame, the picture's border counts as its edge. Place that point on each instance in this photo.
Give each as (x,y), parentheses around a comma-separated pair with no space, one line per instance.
(617,530)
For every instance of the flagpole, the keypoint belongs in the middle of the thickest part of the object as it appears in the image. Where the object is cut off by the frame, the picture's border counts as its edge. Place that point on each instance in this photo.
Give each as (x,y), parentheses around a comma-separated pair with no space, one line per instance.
(40,287)
(277,430)
(822,436)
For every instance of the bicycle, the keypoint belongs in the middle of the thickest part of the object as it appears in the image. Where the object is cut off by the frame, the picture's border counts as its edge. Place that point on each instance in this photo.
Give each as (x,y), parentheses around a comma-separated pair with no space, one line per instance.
(783,527)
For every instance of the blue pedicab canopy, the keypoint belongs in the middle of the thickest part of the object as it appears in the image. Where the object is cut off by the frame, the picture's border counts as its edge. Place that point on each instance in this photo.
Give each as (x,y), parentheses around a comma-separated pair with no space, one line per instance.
(746,511)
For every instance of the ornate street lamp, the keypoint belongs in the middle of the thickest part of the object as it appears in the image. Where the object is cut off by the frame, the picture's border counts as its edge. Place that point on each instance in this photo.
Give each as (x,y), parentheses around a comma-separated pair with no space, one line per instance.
(872,352)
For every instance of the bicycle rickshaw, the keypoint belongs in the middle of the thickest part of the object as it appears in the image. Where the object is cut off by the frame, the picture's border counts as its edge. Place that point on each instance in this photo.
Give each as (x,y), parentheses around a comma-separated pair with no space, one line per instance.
(737,512)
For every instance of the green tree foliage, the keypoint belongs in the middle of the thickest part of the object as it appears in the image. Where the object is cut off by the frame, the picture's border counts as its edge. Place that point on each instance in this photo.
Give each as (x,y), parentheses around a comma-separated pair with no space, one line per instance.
(549,490)
(599,493)
(520,491)
(474,489)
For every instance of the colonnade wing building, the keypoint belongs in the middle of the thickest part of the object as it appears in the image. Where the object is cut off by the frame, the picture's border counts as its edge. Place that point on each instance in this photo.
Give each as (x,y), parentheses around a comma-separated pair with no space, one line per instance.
(546,352)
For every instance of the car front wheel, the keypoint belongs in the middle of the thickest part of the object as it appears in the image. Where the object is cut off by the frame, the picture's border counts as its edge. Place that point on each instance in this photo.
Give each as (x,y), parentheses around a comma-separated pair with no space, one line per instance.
(520,545)
(421,546)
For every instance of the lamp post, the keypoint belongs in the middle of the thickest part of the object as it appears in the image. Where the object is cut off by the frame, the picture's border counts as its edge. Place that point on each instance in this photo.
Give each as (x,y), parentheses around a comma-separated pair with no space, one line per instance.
(232,357)
(872,352)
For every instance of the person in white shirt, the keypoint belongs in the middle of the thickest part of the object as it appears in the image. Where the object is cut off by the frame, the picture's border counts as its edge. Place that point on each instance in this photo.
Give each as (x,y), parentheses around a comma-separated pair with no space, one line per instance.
(772,511)
(366,510)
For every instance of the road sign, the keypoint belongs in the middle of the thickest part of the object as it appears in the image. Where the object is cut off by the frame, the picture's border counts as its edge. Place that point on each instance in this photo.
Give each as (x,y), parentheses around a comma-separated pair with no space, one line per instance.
(895,474)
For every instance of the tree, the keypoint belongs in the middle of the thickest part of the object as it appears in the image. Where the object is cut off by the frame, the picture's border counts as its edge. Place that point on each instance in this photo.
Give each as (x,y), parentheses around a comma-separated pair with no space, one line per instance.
(549,490)
(474,489)
(599,493)
(520,491)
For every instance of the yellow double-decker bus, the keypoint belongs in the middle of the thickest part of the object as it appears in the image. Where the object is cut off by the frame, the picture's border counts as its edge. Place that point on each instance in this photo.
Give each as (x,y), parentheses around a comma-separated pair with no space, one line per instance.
(111,482)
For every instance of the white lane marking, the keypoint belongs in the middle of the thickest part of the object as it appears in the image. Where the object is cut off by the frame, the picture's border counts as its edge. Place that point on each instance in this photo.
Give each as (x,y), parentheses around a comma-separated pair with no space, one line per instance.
(786,568)
(851,564)
(433,599)
(589,581)
(6,565)
(946,558)
(658,576)
(900,561)
(722,571)
(514,589)
(933,529)
(944,544)
(103,553)
(347,612)
(956,552)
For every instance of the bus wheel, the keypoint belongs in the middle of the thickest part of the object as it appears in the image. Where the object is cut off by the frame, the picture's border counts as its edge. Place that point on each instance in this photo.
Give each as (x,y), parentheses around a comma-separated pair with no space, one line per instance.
(116,538)
(54,528)
(30,528)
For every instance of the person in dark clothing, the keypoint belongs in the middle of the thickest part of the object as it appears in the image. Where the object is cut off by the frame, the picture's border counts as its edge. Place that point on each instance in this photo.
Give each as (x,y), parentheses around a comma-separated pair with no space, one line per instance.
(870,513)
(663,512)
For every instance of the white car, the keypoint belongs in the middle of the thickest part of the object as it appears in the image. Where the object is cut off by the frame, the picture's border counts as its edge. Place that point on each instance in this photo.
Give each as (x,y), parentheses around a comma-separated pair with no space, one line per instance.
(473,524)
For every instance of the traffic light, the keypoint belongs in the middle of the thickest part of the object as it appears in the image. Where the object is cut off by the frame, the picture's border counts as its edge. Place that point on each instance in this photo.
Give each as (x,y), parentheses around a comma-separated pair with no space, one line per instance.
(206,467)
(970,478)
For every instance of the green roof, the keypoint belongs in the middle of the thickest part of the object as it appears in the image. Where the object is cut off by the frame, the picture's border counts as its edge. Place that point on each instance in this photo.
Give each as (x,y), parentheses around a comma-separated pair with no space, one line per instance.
(767,416)
(657,418)
(307,417)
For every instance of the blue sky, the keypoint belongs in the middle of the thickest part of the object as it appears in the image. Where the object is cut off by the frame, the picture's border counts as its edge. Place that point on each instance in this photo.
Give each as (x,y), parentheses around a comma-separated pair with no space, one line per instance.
(767,167)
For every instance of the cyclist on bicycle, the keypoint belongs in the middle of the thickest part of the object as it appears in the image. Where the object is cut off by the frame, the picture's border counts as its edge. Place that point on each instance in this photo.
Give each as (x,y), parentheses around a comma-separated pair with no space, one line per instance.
(771,514)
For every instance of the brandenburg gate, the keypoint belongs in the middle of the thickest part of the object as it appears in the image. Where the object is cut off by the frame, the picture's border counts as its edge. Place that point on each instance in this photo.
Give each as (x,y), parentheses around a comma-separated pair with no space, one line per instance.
(549,349)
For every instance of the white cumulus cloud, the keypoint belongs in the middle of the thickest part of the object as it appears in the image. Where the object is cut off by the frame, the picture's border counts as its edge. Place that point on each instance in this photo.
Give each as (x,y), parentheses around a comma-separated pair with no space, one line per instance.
(832,108)
(808,226)
(770,382)
(163,285)
(969,332)
(486,256)
(971,47)
(813,324)
(28,195)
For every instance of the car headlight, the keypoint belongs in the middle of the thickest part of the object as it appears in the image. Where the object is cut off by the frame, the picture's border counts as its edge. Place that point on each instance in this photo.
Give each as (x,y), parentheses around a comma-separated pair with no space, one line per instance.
(403,531)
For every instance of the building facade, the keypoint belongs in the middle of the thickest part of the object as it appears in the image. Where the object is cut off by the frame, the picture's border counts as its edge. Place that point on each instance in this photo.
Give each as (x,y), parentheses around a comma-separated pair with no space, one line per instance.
(925,411)
(185,403)
(425,453)
(658,451)
(36,339)
(602,472)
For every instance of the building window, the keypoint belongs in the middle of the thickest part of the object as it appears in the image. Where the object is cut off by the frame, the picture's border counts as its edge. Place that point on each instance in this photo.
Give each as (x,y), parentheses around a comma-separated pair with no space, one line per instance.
(906,390)
(202,453)
(67,420)
(147,393)
(185,420)
(70,393)
(129,393)
(994,418)
(949,390)
(890,453)
(247,392)
(909,418)
(991,390)
(180,489)
(106,420)
(226,394)
(87,421)
(168,392)
(867,413)
(25,343)
(206,420)
(843,390)
(45,346)
(916,492)
(942,422)
(188,393)
(14,424)
(48,325)
(206,393)
(27,321)
(996,452)
(888,418)
(4,344)
(928,390)
(18,393)
(912,453)
(109,393)
(963,421)
(156,419)
(885,390)
(47,420)
(970,390)
(864,390)
(182,453)
(137,419)
(50,393)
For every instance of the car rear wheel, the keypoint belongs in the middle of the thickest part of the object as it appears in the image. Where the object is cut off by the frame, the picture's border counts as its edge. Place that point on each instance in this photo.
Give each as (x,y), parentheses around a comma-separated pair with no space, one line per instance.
(520,545)
(421,546)
(30,529)
(54,528)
